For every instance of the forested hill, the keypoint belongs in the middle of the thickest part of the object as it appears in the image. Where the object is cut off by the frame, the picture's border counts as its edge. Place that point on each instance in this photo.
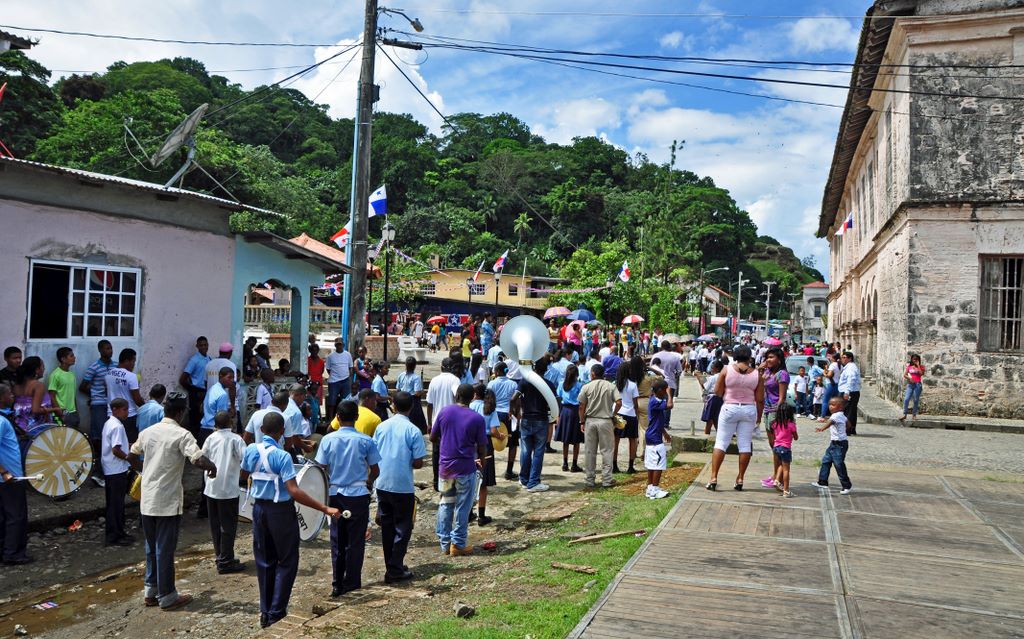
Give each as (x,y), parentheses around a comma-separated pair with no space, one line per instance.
(484,185)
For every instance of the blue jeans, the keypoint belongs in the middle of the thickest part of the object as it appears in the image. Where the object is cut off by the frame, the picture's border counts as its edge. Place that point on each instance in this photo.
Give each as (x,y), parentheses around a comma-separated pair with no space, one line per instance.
(835,455)
(456,503)
(161,542)
(830,392)
(337,390)
(587,347)
(533,437)
(913,393)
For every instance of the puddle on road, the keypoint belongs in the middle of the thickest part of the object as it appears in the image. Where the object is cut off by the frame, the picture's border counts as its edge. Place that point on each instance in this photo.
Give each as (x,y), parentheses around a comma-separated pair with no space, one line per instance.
(79,600)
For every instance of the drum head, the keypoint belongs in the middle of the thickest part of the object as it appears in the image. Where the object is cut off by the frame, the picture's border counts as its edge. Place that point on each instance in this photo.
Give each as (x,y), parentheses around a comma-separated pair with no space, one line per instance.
(313,481)
(63,457)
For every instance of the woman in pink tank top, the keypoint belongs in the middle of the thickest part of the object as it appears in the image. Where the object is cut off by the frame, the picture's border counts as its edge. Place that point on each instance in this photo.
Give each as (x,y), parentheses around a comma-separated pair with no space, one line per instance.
(741,388)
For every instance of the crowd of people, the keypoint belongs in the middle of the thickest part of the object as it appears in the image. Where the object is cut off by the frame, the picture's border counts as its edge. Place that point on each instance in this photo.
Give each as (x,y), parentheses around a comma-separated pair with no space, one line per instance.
(609,386)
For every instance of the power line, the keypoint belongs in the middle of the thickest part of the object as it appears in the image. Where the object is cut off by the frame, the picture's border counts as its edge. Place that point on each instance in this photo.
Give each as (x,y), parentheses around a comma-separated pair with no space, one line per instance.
(112,36)
(700,16)
(723,76)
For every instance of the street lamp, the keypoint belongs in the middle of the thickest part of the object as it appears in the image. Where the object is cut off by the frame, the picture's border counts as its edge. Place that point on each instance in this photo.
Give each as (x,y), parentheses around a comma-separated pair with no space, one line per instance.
(768,308)
(700,294)
(388,233)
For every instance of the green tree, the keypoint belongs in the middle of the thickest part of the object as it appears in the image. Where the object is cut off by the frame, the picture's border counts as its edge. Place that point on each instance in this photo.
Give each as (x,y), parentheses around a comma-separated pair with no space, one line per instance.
(29,110)
(153,76)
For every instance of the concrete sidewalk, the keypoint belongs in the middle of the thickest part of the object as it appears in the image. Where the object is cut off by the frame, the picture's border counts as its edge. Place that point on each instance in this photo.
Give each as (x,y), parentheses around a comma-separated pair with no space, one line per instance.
(877,410)
(903,555)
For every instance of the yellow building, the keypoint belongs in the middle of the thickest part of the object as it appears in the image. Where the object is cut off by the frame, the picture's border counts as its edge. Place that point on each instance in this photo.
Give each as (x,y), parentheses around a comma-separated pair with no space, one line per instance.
(453,291)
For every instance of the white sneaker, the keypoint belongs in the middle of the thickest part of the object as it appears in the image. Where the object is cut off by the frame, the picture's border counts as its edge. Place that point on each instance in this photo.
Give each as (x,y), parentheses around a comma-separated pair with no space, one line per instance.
(658,493)
(539,488)
(817,485)
(846,491)
(647,492)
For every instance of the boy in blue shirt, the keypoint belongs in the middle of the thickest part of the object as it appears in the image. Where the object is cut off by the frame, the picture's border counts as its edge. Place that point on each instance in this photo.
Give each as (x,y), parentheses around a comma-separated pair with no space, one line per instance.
(351,461)
(13,500)
(152,411)
(655,438)
(275,525)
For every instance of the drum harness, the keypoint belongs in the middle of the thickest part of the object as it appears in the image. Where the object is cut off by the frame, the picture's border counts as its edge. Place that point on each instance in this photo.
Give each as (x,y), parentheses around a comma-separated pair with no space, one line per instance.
(264,451)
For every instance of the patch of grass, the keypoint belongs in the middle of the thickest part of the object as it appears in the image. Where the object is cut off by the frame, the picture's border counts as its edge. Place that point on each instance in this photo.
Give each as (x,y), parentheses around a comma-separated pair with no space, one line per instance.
(545,602)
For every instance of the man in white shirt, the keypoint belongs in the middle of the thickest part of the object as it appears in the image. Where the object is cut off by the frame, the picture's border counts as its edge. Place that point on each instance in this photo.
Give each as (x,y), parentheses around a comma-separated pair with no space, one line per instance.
(224,448)
(114,456)
(338,366)
(849,388)
(166,447)
(493,355)
(124,383)
(296,426)
(440,393)
(223,360)
(277,405)
(417,332)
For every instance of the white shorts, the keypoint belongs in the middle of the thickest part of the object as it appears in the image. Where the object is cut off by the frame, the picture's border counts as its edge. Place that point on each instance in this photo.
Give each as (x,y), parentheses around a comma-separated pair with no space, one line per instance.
(739,420)
(655,457)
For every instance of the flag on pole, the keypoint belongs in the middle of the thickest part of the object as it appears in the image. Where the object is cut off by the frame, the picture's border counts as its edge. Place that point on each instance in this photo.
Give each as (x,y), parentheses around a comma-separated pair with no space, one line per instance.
(341,237)
(477,274)
(378,202)
(846,225)
(500,264)
(624,273)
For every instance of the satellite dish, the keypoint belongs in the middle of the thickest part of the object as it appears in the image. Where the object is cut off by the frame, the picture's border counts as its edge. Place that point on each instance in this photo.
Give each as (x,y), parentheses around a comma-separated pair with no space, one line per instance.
(179,136)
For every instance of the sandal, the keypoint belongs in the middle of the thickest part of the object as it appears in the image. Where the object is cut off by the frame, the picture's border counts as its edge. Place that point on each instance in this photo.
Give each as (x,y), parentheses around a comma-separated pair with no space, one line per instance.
(712,484)
(904,418)
(181,601)
(738,486)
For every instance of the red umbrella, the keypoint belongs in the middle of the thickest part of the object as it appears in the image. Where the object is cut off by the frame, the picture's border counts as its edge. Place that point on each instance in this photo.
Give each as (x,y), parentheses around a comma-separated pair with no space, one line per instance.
(632,319)
(438,319)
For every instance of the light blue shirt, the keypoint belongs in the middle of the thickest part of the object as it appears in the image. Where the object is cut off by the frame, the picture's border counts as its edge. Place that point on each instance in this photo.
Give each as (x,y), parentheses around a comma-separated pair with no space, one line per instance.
(196,369)
(815,373)
(503,388)
(571,396)
(849,379)
(280,464)
(216,400)
(493,353)
(380,387)
(149,413)
(487,335)
(292,419)
(411,383)
(10,451)
(560,367)
(399,444)
(348,454)
(490,421)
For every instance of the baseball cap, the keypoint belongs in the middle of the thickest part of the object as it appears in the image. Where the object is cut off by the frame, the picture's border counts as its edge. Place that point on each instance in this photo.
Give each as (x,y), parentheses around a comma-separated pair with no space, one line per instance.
(226,347)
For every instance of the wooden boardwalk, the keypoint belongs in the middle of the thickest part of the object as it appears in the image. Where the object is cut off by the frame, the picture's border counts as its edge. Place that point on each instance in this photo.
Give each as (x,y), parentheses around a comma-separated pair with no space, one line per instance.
(905,555)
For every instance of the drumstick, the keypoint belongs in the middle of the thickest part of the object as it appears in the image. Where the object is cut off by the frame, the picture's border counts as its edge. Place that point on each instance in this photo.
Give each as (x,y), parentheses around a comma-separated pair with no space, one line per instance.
(29,477)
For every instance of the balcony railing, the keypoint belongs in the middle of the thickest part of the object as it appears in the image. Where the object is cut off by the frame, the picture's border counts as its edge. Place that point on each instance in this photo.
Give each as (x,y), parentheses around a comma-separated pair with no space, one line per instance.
(257,315)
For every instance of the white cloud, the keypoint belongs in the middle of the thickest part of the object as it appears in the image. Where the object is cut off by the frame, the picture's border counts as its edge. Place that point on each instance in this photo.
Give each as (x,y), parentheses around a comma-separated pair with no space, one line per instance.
(563,121)
(676,40)
(814,35)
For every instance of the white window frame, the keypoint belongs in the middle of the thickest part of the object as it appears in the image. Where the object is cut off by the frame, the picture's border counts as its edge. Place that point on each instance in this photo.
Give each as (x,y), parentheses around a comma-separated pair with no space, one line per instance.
(478,288)
(89,268)
(428,288)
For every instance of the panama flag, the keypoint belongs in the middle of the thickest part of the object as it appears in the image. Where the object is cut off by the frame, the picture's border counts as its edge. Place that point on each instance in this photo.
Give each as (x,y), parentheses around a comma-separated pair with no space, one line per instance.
(624,273)
(378,202)
(846,225)
(341,237)
(500,264)
(477,274)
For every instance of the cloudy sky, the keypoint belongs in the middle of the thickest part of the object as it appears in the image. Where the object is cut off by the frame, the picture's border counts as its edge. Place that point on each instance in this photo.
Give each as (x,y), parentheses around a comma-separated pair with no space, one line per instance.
(772,155)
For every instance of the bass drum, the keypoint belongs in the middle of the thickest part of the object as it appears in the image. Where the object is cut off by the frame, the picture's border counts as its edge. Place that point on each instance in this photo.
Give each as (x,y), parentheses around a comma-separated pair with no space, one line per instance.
(59,460)
(313,480)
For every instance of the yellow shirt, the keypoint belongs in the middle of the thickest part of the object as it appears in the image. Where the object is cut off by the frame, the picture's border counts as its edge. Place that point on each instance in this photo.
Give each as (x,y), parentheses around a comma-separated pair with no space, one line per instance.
(467,348)
(366,423)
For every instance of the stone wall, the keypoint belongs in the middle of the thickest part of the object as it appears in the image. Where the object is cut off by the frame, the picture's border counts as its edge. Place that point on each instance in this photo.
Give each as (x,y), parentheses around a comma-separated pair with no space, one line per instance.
(945,244)
(891,339)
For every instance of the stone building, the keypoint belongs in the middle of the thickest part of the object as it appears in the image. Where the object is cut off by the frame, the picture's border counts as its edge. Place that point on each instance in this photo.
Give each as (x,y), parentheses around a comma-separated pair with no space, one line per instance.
(812,308)
(929,166)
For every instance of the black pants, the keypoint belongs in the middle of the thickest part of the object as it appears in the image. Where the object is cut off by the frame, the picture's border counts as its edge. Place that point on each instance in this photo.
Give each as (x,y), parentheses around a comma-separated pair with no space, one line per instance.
(195,409)
(348,542)
(275,547)
(13,520)
(131,428)
(116,487)
(851,413)
(223,527)
(396,511)
(435,461)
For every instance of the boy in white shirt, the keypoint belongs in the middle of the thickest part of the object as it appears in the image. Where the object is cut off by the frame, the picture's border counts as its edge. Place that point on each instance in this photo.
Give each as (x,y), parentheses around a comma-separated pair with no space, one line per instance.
(800,384)
(114,458)
(225,449)
(819,396)
(838,446)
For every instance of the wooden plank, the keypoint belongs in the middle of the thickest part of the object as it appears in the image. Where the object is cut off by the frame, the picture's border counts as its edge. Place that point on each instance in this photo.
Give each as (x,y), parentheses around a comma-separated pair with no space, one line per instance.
(919,507)
(977,542)
(886,619)
(955,583)
(620,533)
(1001,514)
(983,490)
(754,521)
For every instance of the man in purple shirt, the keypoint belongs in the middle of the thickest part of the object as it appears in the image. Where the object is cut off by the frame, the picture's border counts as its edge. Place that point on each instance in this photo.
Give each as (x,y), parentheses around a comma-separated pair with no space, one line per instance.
(462,436)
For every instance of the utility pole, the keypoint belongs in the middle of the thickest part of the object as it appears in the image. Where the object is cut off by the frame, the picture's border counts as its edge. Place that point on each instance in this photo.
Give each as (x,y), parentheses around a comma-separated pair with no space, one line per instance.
(354,309)
(739,297)
(768,309)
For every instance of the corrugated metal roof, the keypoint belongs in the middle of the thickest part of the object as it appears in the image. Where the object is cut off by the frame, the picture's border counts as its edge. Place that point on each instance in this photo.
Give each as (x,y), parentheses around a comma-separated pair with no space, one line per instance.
(17,42)
(136,184)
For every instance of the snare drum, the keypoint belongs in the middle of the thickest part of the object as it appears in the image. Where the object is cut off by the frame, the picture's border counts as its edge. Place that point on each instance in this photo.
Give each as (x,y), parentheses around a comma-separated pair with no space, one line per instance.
(62,456)
(313,480)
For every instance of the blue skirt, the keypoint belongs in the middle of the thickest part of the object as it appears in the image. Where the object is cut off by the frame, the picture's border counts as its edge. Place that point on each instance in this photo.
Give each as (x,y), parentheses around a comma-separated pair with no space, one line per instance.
(568,429)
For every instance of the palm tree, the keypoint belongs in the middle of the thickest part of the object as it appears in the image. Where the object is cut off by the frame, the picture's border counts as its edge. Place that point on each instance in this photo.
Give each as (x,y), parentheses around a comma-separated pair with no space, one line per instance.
(522,226)
(489,208)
